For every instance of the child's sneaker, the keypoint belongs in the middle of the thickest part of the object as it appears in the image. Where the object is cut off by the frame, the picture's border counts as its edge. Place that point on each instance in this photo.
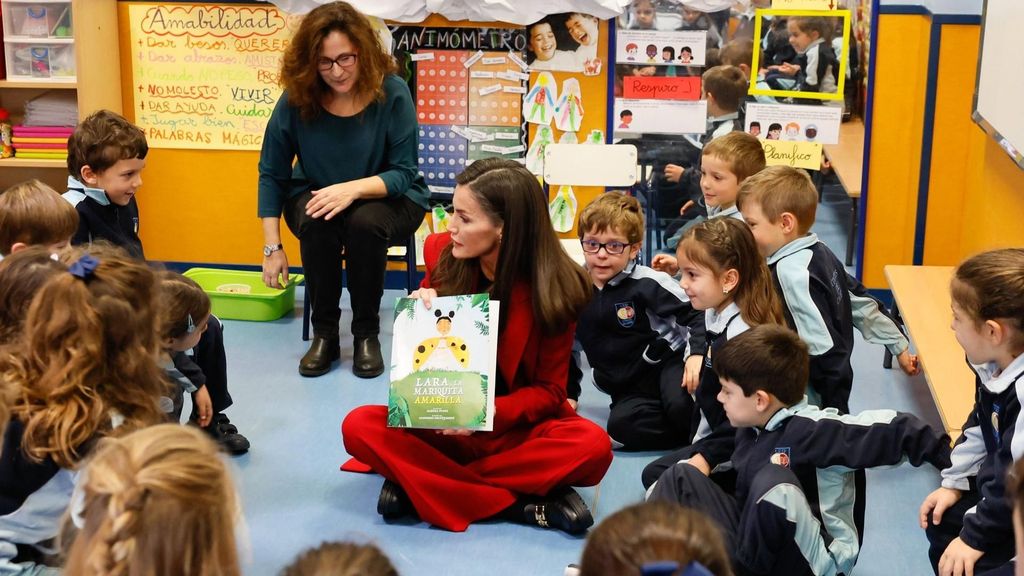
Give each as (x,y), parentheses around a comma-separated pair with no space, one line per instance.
(226,434)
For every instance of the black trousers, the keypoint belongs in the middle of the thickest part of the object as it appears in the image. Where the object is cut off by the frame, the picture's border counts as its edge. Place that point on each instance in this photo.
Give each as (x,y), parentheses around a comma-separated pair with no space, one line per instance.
(765,534)
(209,355)
(940,536)
(655,413)
(365,230)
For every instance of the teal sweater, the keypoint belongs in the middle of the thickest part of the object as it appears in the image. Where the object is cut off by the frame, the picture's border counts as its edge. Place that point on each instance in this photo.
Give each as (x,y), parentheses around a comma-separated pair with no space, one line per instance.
(380,141)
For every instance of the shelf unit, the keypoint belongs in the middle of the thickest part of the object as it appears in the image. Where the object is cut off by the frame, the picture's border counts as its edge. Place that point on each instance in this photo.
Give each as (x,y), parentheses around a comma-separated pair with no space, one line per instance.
(97,82)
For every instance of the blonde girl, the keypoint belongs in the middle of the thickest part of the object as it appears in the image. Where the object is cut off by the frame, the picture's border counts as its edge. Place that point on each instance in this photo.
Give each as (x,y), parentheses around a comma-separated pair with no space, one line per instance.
(83,369)
(723,274)
(185,313)
(968,520)
(156,502)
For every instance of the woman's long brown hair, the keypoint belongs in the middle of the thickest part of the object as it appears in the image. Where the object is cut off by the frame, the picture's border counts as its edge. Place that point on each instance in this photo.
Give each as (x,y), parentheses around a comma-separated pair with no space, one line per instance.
(530,252)
(299,74)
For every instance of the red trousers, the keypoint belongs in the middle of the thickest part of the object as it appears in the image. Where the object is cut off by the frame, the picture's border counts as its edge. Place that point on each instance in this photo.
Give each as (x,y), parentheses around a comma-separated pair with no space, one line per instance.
(455,480)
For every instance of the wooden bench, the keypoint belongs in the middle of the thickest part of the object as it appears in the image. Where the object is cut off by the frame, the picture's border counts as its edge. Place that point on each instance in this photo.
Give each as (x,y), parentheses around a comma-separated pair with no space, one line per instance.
(847,161)
(922,302)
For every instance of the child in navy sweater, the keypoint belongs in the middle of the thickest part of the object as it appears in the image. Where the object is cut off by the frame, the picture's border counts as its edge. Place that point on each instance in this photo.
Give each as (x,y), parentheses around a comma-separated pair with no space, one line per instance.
(794,509)
(968,520)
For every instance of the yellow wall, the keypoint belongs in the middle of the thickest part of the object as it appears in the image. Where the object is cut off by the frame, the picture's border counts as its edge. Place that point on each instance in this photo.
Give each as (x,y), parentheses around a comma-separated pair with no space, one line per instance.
(975,192)
(895,161)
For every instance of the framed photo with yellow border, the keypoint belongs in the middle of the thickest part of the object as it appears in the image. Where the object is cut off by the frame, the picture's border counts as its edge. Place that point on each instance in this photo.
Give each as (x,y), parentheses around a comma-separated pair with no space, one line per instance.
(762,90)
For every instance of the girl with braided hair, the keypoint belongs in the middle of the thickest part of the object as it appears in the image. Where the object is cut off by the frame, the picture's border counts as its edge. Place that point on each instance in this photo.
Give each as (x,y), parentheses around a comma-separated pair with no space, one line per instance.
(84,367)
(158,501)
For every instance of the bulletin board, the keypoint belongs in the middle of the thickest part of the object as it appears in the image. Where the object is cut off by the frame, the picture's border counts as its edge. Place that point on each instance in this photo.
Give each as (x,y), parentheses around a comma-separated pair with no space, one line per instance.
(199,205)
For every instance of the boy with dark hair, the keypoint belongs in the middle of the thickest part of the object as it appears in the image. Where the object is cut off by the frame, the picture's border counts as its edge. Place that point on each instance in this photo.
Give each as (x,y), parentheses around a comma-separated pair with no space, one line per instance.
(32,213)
(821,301)
(797,507)
(106,155)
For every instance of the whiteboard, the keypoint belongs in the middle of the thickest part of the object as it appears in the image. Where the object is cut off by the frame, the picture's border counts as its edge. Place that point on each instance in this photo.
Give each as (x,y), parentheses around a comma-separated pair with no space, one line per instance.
(999,93)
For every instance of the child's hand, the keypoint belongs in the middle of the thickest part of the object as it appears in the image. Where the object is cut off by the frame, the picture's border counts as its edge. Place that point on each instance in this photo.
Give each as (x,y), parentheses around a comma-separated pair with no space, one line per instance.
(908,363)
(958,559)
(936,505)
(700,463)
(691,372)
(685,207)
(425,294)
(788,69)
(204,406)
(673,172)
(665,263)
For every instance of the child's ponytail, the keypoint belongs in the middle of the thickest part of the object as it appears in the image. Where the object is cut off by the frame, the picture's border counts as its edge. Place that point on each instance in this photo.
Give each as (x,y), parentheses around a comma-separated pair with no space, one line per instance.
(86,362)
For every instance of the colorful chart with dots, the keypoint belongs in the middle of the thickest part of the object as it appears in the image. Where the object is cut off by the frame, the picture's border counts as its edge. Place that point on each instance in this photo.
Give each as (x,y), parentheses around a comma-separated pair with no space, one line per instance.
(466,112)
(442,155)
(441,88)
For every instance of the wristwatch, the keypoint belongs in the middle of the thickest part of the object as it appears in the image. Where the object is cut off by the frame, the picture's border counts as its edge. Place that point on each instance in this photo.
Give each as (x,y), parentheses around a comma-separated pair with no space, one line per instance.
(269,249)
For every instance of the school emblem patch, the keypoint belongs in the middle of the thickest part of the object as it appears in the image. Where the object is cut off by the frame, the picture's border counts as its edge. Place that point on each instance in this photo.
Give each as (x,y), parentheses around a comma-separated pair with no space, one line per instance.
(995,423)
(781,457)
(625,313)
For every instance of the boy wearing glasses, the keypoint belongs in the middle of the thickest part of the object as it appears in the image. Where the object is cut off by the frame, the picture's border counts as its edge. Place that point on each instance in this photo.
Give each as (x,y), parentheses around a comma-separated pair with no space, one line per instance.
(634,329)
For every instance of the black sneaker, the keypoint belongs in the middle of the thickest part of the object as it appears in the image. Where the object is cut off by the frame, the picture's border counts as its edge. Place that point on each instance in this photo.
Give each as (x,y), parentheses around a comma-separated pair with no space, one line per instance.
(563,509)
(226,434)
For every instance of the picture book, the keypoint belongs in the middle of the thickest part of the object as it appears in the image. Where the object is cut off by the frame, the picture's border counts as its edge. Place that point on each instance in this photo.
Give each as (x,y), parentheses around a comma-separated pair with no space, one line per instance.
(443,363)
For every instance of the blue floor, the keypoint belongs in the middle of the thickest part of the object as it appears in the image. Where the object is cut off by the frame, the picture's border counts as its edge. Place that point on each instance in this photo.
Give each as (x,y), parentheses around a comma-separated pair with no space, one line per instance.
(295,497)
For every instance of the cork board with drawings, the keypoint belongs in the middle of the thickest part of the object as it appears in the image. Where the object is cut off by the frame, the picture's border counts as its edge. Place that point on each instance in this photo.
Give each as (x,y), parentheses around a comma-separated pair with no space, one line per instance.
(469,106)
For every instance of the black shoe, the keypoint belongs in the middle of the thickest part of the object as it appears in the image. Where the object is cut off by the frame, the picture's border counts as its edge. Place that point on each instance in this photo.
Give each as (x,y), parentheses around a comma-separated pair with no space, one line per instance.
(563,509)
(226,435)
(366,359)
(317,361)
(393,502)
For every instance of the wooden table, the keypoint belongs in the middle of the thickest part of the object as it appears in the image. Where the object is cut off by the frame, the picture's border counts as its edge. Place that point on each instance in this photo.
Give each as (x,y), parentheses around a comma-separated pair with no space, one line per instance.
(923,302)
(847,160)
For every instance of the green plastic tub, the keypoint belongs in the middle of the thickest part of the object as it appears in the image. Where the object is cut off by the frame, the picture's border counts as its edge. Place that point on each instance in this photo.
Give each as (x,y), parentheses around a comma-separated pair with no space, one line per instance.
(241,295)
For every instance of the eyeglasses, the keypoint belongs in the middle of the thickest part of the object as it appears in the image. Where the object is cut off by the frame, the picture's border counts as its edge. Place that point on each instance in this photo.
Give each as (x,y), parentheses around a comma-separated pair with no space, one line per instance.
(343,61)
(614,247)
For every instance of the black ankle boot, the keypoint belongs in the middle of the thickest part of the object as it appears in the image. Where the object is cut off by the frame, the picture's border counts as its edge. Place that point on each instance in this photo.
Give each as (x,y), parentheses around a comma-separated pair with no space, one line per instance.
(563,509)
(317,361)
(367,361)
(393,502)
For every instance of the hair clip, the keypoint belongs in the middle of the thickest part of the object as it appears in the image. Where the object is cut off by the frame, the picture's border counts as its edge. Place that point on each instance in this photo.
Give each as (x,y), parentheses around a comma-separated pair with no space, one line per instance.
(669,567)
(84,267)
(191,325)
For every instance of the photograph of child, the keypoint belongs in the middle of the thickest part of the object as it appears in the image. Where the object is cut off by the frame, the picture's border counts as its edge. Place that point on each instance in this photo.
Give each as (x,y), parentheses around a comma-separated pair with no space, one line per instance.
(565,42)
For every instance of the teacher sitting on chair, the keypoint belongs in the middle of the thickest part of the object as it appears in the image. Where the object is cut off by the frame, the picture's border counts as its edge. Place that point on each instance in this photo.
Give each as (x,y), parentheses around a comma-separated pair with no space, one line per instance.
(351,124)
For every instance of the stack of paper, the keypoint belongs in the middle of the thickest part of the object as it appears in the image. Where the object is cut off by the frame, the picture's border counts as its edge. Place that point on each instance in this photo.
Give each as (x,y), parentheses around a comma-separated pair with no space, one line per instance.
(53,108)
(47,142)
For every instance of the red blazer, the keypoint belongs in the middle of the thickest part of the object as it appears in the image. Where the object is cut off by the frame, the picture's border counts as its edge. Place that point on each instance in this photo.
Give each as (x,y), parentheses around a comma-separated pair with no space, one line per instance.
(534,365)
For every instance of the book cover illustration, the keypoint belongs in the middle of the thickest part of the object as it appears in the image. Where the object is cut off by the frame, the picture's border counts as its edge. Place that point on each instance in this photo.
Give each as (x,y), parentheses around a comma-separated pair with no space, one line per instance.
(443,363)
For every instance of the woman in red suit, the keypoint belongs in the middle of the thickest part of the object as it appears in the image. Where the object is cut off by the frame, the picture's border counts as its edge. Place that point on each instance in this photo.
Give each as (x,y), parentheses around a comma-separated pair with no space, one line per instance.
(500,241)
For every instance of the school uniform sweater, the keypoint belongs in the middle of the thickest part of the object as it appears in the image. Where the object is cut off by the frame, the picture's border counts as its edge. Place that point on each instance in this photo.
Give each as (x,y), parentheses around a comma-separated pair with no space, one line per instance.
(100,219)
(638,320)
(992,439)
(825,450)
(823,304)
(713,436)
(33,499)
(819,68)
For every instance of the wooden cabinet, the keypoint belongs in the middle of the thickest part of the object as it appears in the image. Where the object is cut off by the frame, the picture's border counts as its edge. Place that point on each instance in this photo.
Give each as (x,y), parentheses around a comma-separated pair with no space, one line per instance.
(96,81)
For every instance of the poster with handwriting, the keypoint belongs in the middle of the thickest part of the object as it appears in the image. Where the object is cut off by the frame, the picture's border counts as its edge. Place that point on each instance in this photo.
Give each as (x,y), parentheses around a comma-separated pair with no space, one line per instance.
(204,76)
(662,87)
(660,117)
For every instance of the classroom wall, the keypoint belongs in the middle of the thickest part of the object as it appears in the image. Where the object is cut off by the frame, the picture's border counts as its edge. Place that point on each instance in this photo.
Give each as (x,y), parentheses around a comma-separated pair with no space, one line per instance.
(974,194)
(199,206)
